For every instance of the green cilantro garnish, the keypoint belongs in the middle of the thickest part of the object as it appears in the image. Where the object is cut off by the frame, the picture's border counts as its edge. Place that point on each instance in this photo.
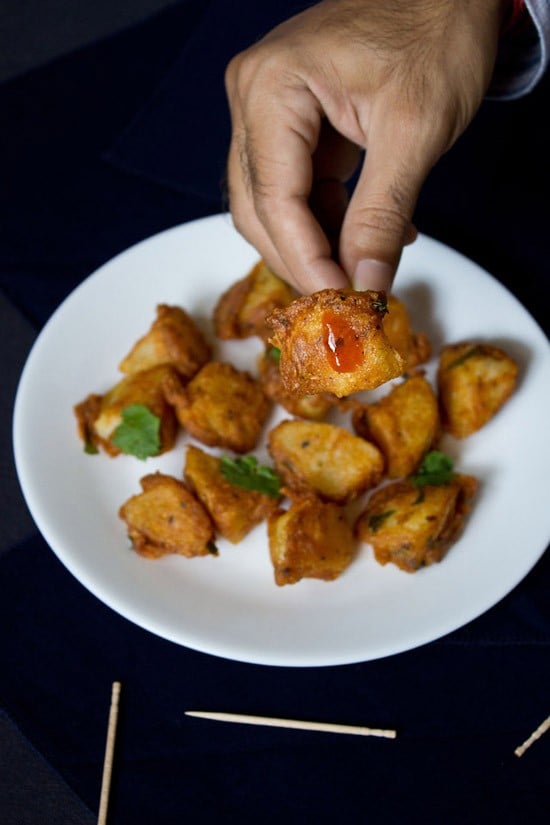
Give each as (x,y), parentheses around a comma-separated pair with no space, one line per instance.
(139,432)
(211,547)
(380,305)
(245,472)
(420,497)
(436,469)
(275,353)
(377,519)
(464,357)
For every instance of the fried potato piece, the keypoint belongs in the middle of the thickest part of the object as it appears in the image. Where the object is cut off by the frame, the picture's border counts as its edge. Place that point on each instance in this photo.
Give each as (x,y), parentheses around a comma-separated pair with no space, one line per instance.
(313,407)
(413,527)
(474,381)
(404,424)
(325,459)
(167,518)
(241,311)
(334,341)
(174,338)
(311,539)
(221,406)
(233,510)
(414,347)
(98,416)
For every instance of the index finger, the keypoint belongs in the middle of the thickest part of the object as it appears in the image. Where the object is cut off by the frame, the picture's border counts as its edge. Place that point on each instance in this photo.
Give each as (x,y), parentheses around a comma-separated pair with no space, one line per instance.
(280,141)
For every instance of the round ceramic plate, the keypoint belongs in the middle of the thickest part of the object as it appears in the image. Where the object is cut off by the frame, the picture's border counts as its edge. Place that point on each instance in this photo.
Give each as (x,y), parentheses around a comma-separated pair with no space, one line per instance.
(229,605)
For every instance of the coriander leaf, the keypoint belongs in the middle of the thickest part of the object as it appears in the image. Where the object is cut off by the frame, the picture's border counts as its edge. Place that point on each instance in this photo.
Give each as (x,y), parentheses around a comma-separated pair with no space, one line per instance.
(420,497)
(436,469)
(211,547)
(377,519)
(475,350)
(380,305)
(245,472)
(139,432)
(275,353)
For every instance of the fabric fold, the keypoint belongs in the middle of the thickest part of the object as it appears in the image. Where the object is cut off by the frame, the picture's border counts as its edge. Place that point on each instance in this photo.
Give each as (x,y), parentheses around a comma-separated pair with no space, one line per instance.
(181,137)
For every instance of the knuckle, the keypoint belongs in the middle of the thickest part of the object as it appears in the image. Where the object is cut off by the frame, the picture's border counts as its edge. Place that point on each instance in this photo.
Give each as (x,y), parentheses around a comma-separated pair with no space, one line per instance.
(259,68)
(231,74)
(386,220)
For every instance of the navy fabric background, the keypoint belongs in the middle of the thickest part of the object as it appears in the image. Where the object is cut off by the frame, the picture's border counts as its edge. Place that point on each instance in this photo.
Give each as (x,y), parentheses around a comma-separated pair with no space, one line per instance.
(100,150)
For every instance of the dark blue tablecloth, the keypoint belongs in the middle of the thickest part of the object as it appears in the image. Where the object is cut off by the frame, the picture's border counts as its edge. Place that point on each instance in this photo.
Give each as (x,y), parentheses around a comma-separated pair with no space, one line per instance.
(99,150)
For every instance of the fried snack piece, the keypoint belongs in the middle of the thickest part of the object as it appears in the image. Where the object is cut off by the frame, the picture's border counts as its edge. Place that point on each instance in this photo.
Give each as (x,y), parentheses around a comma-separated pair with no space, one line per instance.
(404,424)
(234,511)
(98,416)
(311,539)
(414,347)
(241,311)
(313,407)
(221,406)
(474,381)
(167,518)
(174,338)
(334,341)
(412,526)
(325,459)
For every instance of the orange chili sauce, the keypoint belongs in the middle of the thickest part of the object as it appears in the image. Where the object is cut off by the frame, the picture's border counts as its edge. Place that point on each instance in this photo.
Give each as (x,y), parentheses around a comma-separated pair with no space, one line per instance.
(343,346)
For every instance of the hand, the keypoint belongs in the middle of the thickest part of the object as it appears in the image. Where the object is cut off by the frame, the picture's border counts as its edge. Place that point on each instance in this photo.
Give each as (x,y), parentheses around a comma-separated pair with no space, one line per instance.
(400,79)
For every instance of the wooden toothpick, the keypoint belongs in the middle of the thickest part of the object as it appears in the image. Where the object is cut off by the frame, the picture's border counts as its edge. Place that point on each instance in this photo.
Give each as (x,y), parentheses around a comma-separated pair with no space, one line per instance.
(270,721)
(109,752)
(542,728)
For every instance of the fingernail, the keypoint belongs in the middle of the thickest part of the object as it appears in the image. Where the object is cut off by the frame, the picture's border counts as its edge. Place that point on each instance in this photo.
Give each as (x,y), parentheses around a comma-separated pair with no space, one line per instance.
(371,274)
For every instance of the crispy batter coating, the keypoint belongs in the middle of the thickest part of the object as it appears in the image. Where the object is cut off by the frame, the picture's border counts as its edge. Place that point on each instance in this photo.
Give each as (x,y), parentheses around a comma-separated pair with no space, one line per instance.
(414,347)
(312,407)
(325,459)
(241,311)
(234,511)
(167,518)
(474,381)
(413,527)
(174,338)
(404,424)
(312,539)
(98,416)
(334,341)
(221,406)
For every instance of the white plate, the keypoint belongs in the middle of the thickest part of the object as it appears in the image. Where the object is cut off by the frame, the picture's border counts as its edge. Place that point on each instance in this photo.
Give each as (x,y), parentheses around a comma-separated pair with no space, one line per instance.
(229,605)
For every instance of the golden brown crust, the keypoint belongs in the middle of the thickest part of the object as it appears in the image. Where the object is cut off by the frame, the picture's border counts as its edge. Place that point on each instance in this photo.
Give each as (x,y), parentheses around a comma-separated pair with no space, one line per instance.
(414,347)
(324,459)
(174,338)
(242,309)
(412,526)
(311,539)
(474,381)
(221,406)
(167,518)
(333,341)
(99,416)
(312,407)
(234,511)
(404,424)
(86,412)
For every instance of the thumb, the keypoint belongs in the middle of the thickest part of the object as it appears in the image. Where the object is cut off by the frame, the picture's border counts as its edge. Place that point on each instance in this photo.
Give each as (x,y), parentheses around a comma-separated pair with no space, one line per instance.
(377,224)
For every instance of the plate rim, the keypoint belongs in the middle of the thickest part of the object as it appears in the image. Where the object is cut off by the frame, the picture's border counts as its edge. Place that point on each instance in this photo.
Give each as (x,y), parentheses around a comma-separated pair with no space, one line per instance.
(232,652)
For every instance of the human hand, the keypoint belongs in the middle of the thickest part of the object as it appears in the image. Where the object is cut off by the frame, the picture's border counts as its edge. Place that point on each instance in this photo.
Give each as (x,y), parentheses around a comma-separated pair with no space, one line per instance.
(400,79)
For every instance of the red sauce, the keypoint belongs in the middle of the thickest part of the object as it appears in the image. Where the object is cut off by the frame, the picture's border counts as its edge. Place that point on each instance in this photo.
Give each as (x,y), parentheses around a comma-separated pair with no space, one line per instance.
(343,345)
